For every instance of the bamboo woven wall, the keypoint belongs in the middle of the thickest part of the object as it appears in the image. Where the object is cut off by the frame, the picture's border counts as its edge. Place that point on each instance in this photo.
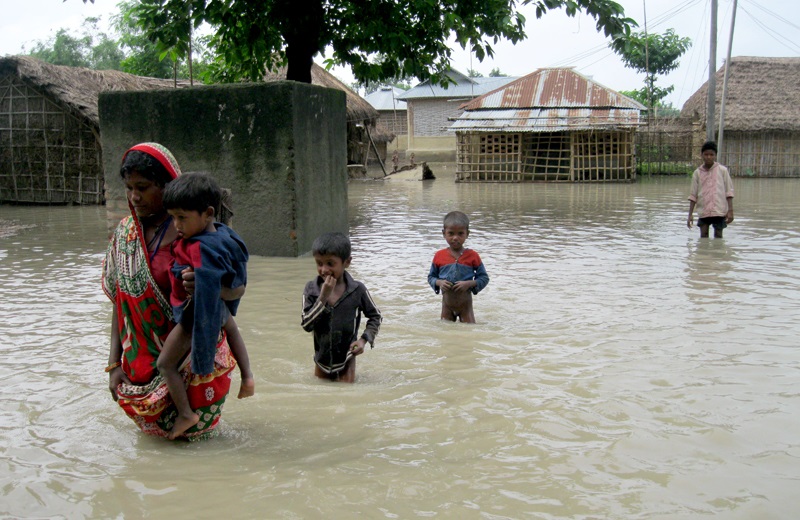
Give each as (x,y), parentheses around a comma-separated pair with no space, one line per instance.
(603,156)
(484,157)
(762,154)
(667,146)
(47,155)
(545,156)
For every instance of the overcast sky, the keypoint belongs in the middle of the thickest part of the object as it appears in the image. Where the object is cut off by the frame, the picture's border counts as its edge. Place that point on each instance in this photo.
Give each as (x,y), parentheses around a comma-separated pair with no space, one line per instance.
(762,28)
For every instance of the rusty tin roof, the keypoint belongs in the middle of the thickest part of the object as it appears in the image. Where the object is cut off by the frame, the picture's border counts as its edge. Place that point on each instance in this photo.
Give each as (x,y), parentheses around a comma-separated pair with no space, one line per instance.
(549,100)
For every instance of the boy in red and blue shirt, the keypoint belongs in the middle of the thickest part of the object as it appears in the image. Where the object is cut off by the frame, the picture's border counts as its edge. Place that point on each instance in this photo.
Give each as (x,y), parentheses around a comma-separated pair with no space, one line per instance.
(457,271)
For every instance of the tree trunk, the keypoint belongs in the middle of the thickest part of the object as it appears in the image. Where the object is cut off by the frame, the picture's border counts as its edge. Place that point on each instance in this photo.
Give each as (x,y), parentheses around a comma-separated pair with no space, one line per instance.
(302,26)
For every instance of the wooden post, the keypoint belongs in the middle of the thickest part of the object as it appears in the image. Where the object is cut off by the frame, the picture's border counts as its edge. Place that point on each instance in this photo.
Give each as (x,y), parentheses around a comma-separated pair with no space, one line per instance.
(712,74)
(377,153)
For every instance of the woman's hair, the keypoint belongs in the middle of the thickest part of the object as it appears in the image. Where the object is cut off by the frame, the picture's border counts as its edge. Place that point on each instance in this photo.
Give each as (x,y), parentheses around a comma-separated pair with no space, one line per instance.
(709,145)
(335,243)
(456,218)
(193,192)
(146,165)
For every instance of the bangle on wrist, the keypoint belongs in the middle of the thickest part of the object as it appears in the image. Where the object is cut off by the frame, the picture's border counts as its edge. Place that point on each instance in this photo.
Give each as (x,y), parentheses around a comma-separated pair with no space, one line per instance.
(112,366)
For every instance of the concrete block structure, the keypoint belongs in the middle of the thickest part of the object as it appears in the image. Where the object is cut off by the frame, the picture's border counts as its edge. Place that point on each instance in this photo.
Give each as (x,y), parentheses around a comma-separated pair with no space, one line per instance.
(279,147)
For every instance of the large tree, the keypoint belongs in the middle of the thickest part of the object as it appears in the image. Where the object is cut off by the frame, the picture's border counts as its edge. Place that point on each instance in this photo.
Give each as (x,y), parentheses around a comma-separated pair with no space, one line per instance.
(651,54)
(410,36)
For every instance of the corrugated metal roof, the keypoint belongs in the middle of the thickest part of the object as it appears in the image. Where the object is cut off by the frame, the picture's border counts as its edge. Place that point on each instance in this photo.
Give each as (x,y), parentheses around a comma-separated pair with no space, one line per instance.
(552,87)
(464,87)
(549,100)
(546,119)
(385,98)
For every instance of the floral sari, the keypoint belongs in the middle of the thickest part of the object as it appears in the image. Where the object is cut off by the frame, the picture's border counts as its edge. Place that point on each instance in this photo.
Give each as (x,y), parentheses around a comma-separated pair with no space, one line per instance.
(144,318)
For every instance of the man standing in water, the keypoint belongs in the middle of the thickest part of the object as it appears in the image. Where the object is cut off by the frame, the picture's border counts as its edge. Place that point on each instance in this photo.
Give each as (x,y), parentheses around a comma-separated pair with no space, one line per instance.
(712,191)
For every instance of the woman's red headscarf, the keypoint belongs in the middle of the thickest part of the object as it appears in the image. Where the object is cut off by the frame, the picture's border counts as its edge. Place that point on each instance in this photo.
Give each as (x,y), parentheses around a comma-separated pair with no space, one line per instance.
(160,154)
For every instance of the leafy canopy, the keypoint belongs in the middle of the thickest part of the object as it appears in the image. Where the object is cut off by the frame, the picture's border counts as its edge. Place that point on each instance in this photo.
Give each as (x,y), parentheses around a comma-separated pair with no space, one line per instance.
(92,48)
(409,36)
(652,54)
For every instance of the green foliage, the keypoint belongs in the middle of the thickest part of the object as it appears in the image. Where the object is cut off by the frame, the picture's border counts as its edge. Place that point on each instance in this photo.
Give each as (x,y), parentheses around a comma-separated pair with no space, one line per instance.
(651,54)
(143,57)
(659,108)
(91,48)
(408,36)
(495,73)
(664,168)
(472,73)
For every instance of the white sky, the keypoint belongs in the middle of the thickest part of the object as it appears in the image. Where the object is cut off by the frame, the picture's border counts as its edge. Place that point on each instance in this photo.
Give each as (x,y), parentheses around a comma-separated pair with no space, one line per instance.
(763,28)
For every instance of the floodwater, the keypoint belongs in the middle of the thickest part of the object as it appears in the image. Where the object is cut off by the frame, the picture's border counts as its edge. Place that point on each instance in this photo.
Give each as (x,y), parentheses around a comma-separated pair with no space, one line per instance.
(621,368)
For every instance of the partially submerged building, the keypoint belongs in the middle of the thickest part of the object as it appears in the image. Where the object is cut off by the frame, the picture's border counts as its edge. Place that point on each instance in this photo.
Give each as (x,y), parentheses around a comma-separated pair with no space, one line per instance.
(761,134)
(50,151)
(554,124)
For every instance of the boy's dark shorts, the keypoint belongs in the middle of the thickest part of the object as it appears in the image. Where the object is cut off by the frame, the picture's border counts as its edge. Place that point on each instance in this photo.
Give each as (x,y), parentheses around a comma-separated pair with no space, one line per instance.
(717,222)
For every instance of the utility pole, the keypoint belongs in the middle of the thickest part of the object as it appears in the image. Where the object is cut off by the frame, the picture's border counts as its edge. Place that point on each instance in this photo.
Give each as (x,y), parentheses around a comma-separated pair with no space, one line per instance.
(725,87)
(712,74)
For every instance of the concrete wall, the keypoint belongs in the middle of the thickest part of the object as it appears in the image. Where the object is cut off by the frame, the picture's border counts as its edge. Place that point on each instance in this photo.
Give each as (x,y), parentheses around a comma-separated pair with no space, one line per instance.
(280,147)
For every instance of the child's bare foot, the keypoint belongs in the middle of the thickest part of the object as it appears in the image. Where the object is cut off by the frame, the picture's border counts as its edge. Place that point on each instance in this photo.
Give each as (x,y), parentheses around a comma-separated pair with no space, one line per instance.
(248,388)
(183,423)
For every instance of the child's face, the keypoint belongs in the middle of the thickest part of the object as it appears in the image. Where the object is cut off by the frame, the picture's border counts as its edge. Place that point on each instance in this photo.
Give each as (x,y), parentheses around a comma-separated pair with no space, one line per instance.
(709,156)
(331,265)
(189,223)
(455,236)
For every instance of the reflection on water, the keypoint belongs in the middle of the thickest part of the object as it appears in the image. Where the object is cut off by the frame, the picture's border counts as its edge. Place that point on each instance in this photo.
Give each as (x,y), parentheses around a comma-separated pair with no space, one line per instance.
(621,368)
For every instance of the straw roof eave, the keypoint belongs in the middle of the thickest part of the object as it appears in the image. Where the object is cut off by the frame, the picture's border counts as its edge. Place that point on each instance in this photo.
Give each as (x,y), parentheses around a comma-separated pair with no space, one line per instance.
(358,109)
(762,96)
(76,89)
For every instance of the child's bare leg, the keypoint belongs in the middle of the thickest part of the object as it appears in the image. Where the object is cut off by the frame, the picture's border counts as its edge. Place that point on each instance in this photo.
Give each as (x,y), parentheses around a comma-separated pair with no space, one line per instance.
(717,233)
(466,315)
(178,343)
(704,231)
(348,375)
(447,313)
(459,306)
(236,343)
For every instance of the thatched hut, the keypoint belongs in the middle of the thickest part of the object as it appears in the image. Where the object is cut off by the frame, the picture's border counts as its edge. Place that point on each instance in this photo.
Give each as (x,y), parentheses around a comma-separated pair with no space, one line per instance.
(551,125)
(361,117)
(762,116)
(50,150)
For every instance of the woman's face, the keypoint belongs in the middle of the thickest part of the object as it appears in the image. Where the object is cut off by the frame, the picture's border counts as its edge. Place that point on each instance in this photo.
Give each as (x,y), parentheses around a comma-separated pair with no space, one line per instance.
(144,195)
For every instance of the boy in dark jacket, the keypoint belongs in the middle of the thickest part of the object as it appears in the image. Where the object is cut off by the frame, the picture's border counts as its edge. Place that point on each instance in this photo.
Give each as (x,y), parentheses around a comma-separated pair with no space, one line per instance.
(332,308)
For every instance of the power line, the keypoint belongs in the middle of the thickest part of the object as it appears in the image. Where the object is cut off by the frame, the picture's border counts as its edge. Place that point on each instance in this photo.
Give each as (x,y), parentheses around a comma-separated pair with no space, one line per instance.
(786,42)
(776,15)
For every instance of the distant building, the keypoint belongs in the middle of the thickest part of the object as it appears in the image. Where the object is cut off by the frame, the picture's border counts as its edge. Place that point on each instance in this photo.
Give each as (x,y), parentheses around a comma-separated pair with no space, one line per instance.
(761,135)
(432,107)
(391,109)
(551,125)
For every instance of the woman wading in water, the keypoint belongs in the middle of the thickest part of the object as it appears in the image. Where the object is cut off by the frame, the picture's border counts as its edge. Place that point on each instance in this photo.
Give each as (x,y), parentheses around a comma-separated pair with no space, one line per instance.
(136,278)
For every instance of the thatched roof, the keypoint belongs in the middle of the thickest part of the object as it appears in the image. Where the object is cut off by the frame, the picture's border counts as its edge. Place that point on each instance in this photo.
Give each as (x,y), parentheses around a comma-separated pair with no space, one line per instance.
(75,88)
(763,94)
(382,134)
(358,109)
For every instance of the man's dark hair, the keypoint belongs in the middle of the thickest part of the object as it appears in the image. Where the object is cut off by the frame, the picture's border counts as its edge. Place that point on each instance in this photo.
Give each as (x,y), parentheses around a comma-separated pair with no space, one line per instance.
(193,192)
(335,243)
(709,145)
(147,166)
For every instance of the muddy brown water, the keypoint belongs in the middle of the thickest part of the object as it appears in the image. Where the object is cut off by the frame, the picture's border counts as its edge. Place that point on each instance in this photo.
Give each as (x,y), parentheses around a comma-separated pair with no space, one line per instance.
(621,368)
